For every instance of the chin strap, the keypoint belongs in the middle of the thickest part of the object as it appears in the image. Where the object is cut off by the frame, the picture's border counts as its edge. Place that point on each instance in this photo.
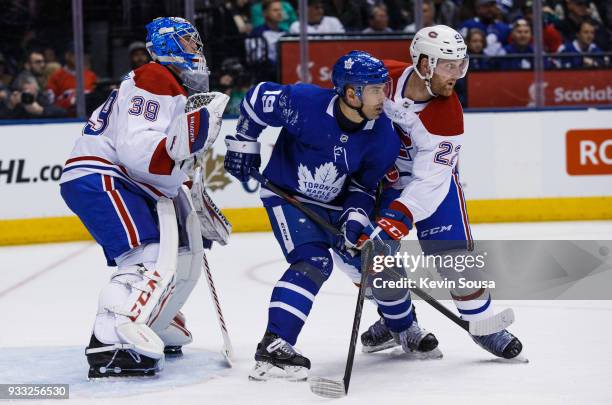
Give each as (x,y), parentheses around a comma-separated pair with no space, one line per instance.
(428,87)
(358,109)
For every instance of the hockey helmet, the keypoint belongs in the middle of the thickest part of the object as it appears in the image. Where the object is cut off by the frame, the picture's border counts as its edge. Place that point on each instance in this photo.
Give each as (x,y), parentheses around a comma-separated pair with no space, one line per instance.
(359,69)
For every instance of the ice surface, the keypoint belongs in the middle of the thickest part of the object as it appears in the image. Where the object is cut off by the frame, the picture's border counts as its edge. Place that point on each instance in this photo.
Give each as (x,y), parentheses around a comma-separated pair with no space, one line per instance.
(48,299)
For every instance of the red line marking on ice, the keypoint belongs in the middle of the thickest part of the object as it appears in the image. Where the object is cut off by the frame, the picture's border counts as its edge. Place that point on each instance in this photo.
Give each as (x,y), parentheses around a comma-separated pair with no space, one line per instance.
(43,271)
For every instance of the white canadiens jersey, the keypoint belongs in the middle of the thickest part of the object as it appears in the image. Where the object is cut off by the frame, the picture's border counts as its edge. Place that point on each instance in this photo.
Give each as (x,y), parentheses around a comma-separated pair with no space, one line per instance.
(431,133)
(126,136)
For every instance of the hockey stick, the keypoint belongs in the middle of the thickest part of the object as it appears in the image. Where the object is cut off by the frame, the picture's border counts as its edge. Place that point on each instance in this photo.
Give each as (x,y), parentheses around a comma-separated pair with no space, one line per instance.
(227,351)
(481,327)
(326,387)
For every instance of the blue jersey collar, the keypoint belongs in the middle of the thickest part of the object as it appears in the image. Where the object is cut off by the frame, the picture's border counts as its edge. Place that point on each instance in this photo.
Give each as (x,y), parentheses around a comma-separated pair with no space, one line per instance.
(330,111)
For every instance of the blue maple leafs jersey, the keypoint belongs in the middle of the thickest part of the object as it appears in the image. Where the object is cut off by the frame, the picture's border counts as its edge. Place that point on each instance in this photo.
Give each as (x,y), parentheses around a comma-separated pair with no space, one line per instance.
(313,158)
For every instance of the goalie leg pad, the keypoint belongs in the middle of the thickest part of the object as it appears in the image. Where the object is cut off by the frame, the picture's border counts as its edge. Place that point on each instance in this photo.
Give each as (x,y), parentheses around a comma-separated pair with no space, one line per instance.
(189,266)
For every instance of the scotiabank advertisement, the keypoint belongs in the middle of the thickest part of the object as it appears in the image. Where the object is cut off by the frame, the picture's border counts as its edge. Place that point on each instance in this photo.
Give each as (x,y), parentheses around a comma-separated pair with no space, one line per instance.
(561,88)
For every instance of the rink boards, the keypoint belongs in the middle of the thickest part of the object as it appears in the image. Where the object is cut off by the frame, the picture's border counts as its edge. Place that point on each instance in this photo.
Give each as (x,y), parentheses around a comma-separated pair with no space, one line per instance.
(515,166)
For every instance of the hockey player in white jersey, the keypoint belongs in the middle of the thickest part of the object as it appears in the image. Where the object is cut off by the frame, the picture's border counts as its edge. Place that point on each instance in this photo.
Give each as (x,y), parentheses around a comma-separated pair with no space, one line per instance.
(423,188)
(125,179)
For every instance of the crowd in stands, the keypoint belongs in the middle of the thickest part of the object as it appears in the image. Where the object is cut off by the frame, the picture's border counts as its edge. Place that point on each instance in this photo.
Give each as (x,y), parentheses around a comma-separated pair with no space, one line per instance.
(241,39)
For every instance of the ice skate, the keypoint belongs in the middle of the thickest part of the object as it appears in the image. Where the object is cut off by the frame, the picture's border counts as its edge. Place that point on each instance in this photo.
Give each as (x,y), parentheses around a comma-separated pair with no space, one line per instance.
(118,360)
(275,358)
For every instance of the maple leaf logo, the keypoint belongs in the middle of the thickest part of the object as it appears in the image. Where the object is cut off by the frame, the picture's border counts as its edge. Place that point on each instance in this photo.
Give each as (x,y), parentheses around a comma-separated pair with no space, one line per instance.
(215,177)
(324,185)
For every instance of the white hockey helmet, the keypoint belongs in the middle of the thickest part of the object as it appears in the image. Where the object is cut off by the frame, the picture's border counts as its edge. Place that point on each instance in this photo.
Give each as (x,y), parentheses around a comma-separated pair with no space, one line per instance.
(445,50)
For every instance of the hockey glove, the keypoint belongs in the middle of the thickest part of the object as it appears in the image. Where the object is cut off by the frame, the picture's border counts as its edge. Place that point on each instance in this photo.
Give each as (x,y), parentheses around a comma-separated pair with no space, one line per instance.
(392,224)
(242,155)
(193,132)
(352,227)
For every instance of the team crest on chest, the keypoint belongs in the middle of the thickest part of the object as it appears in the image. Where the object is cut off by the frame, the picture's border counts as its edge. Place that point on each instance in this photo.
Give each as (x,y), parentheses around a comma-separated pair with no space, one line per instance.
(324,185)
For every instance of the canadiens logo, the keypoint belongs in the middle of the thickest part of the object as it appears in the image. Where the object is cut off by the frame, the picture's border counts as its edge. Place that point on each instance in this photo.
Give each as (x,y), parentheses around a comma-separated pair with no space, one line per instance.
(406,145)
(433,34)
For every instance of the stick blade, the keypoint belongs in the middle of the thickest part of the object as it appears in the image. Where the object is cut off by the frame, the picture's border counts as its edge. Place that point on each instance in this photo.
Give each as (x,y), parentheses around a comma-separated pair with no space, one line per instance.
(327,388)
(494,324)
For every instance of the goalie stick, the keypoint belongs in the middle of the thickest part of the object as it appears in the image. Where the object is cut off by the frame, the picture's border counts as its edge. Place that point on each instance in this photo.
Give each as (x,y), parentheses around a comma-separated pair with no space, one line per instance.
(227,350)
(193,102)
(331,388)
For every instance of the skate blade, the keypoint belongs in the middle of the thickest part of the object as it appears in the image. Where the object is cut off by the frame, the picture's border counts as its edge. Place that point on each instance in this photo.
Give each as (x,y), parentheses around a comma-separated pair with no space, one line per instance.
(264,371)
(520,359)
(434,354)
(374,349)
(327,388)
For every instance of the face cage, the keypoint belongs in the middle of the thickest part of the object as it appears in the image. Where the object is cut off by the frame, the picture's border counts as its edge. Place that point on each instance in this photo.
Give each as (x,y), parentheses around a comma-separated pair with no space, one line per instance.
(194,56)
(453,68)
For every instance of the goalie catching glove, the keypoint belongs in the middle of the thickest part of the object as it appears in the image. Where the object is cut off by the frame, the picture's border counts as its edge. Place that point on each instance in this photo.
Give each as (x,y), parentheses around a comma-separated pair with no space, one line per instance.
(196,130)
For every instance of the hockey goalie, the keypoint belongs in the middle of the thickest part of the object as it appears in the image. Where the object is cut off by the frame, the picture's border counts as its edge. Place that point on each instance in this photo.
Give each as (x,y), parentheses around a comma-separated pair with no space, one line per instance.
(134,181)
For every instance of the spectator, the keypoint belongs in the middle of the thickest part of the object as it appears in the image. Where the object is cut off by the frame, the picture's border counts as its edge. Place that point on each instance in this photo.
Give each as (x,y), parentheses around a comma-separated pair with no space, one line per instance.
(49,54)
(225,34)
(270,30)
(351,13)
(318,22)
(428,17)
(486,20)
(446,12)
(62,83)
(138,54)
(378,20)
(521,40)
(26,101)
(289,15)
(35,66)
(552,37)
(398,18)
(576,12)
(476,42)
(5,77)
(582,44)
(50,68)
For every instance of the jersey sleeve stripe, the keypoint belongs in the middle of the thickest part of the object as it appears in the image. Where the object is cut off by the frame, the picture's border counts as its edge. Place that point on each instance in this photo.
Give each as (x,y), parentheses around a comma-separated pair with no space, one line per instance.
(253,98)
(252,114)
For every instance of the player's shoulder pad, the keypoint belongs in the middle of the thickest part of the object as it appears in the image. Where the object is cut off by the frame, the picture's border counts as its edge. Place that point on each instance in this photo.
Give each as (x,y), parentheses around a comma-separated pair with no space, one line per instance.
(443,116)
(156,79)
(387,137)
(396,68)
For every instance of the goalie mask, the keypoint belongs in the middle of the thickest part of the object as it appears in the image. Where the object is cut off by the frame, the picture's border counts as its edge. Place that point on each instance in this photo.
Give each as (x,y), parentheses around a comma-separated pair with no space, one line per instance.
(173,41)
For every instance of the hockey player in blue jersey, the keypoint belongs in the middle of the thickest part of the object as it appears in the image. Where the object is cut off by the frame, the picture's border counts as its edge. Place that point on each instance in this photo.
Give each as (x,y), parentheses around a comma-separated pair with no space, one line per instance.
(333,149)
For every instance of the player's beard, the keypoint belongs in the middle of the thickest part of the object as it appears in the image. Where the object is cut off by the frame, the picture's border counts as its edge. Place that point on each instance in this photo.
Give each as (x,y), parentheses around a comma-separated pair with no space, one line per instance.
(442,86)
